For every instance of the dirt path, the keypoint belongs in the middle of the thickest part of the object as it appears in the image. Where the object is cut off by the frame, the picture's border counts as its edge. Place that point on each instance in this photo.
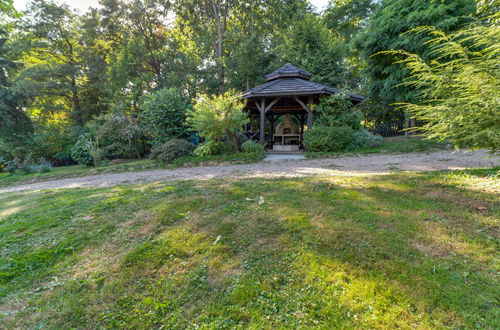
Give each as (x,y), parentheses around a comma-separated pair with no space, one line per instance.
(437,160)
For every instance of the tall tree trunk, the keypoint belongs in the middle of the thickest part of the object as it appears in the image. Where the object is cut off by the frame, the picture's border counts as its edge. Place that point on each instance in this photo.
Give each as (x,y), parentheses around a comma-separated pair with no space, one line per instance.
(234,139)
(219,12)
(219,58)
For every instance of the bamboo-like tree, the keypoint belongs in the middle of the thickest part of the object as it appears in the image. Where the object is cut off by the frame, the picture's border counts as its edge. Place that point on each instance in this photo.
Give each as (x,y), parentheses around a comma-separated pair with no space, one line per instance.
(460,88)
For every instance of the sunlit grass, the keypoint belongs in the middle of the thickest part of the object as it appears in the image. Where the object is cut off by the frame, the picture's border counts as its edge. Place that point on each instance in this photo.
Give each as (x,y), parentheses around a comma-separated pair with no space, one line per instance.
(368,251)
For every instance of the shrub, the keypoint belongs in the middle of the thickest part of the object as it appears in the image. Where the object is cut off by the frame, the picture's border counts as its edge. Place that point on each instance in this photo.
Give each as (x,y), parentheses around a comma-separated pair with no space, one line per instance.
(336,110)
(163,115)
(27,166)
(218,116)
(209,148)
(119,134)
(20,148)
(362,138)
(252,147)
(171,150)
(80,153)
(322,138)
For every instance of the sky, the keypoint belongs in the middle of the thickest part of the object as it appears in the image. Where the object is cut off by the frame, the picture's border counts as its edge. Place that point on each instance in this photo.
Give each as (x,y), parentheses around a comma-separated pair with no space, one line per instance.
(82,5)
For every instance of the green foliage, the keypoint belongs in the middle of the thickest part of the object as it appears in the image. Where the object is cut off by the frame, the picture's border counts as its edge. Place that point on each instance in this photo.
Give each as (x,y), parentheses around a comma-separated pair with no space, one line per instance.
(80,151)
(362,138)
(347,17)
(337,127)
(211,148)
(323,138)
(252,147)
(119,134)
(54,141)
(308,43)
(217,117)
(460,90)
(20,148)
(172,150)
(163,115)
(336,110)
(386,31)
(14,123)
(376,112)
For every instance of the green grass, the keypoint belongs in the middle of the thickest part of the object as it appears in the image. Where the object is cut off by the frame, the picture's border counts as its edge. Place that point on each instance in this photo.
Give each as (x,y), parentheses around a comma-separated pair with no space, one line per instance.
(407,250)
(8,179)
(396,144)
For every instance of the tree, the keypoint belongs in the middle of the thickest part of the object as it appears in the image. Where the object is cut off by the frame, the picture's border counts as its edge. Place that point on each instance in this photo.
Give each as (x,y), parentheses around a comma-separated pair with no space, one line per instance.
(386,31)
(163,115)
(211,16)
(218,116)
(14,122)
(347,17)
(7,8)
(308,43)
(459,89)
(53,70)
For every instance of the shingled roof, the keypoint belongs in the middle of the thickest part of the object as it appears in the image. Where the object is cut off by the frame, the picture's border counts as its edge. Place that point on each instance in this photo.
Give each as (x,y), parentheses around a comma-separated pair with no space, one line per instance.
(290,80)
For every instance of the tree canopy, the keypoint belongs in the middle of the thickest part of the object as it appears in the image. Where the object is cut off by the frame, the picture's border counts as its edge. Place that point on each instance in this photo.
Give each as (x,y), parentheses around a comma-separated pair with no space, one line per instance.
(145,61)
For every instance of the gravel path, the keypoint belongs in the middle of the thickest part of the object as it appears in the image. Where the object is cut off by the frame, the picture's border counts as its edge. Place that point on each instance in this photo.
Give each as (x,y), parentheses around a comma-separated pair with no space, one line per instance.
(437,160)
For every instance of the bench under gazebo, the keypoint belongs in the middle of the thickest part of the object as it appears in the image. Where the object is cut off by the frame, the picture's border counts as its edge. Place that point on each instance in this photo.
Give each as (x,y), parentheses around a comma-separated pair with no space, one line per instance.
(287,92)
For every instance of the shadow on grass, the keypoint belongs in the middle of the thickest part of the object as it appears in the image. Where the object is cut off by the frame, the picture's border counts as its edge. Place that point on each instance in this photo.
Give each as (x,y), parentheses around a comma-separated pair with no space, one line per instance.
(367,251)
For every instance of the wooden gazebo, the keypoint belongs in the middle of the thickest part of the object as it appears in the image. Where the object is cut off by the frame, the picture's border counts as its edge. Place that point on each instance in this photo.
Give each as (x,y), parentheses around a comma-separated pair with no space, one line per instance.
(288,90)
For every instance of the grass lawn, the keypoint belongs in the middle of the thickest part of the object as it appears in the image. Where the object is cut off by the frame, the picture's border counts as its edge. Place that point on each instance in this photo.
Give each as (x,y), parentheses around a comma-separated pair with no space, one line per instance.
(395,144)
(8,179)
(407,250)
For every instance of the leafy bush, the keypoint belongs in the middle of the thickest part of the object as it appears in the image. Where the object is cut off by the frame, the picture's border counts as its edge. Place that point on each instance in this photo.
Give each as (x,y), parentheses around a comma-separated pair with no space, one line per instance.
(171,150)
(362,138)
(218,116)
(252,147)
(210,148)
(80,153)
(336,110)
(120,135)
(10,149)
(53,141)
(322,138)
(163,115)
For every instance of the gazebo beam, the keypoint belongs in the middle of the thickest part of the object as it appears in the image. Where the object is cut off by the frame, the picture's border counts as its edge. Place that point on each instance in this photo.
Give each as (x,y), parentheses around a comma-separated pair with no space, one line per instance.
(306,108)
(272,103)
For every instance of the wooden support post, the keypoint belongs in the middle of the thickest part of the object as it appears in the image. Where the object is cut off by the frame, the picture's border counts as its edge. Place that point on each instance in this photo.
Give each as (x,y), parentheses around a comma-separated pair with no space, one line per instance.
(262,109)
(309,113)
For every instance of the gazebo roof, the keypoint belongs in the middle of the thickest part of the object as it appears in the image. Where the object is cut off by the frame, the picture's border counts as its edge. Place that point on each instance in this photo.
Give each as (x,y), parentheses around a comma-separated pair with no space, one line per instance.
(290,80)
(289,71)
